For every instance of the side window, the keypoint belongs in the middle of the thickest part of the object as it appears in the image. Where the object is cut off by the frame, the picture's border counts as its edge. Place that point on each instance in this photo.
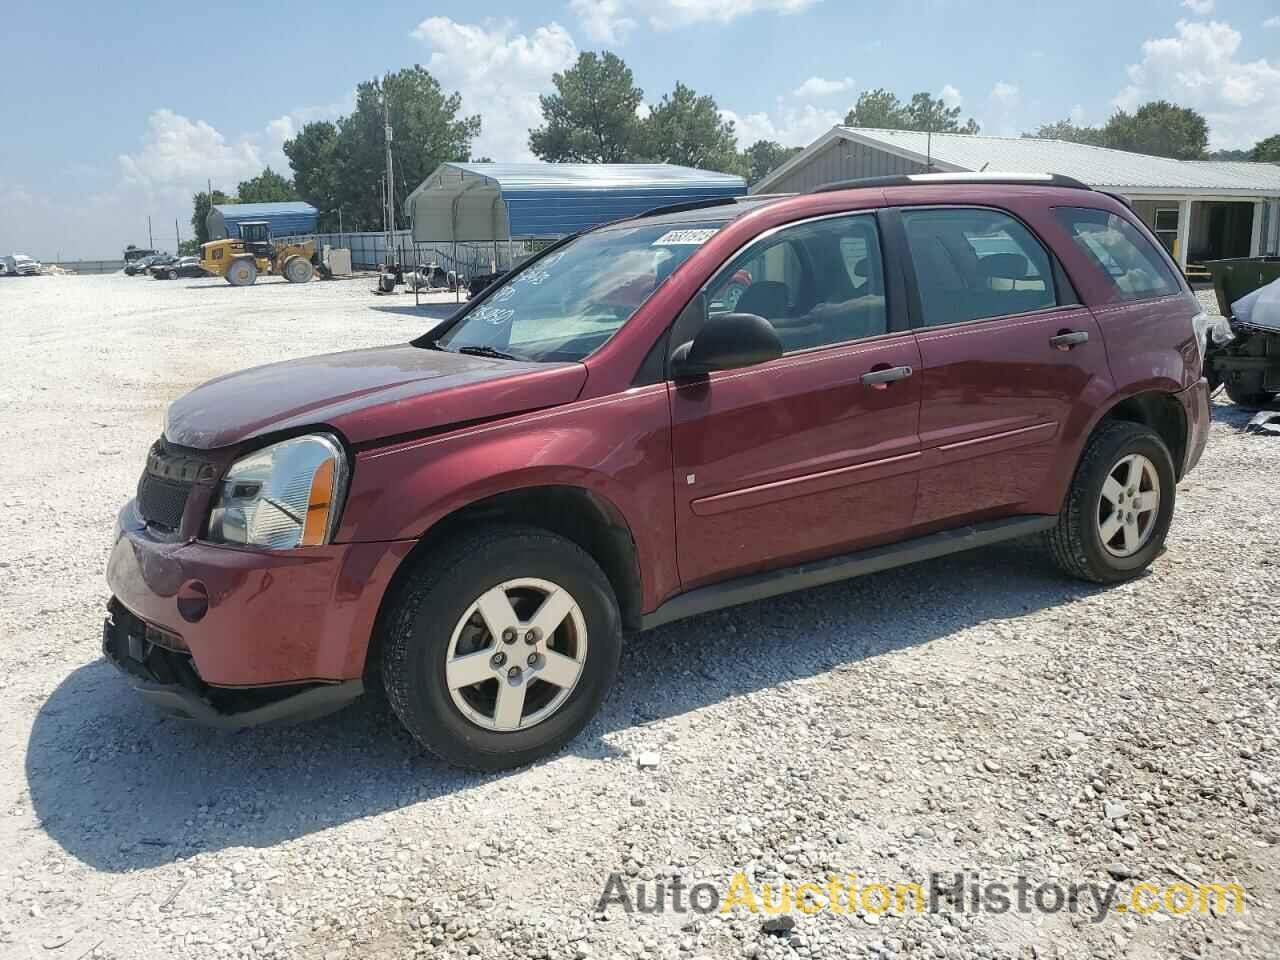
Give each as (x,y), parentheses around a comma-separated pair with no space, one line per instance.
(818,283)
(973,263)
(1130,261)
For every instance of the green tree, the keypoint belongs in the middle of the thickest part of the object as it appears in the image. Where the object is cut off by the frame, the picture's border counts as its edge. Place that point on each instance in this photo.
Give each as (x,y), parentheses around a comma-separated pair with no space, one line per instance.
(687,129)
(1266,151)
(1066,130)
(313,155)
(1230,154)
(427,130)
(1161,129)
(882,109)
(877,108)
(342,164)
(189,248)
(926,112)
(591,118)
(266,187)
(200,214)
(765,156)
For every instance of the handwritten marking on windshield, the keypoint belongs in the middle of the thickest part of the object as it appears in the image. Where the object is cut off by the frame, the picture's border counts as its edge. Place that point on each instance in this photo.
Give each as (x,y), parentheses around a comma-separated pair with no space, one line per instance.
(495,315)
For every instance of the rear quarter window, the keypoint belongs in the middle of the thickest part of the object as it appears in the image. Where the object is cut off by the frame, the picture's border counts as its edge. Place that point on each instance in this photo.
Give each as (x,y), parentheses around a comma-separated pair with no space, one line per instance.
(1135,268)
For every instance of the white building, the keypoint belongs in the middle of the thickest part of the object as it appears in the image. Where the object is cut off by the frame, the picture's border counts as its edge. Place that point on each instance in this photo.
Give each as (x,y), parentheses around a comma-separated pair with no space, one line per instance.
(1201,210)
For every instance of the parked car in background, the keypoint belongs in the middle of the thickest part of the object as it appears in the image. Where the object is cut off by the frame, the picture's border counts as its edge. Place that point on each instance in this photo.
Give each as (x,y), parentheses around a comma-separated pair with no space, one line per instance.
(20,265)
(137,253)
(141,265)
(181,267)
(918,365)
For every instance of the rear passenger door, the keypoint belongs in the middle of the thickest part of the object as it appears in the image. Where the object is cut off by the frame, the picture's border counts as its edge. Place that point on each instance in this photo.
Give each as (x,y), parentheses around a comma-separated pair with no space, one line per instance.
(1007,354)
(814,453)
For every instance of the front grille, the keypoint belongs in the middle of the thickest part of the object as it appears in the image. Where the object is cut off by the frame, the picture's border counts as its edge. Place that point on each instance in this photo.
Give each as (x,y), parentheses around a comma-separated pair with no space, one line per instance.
(167,481)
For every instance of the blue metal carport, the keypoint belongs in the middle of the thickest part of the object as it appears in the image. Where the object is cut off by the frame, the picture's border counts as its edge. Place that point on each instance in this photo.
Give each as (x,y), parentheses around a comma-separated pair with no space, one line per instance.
(485,202)
(288,218)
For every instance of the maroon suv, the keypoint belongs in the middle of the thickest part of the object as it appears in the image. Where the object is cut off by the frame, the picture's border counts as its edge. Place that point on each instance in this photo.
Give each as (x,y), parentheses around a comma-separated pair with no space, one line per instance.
(624,432)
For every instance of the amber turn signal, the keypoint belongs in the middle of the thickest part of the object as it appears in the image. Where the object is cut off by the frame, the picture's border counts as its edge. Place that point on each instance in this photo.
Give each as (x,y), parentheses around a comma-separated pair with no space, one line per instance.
(319,503)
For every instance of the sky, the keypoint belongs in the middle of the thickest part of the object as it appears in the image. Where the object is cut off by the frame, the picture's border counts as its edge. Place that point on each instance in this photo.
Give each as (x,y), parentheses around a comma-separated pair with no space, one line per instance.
(111,113)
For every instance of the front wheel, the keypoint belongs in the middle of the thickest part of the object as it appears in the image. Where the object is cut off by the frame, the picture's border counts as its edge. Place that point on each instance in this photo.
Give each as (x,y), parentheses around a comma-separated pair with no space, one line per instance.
(242,273)
(173,274)
(500,647)
(298,269)
(1120,505)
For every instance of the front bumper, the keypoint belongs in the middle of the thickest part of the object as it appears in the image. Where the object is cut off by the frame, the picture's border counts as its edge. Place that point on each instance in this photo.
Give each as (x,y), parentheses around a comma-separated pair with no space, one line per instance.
(1195,405)
(251,618)
(165,678)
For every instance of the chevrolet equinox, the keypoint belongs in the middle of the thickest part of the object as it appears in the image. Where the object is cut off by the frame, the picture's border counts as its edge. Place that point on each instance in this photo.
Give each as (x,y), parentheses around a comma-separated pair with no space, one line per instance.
(702,406)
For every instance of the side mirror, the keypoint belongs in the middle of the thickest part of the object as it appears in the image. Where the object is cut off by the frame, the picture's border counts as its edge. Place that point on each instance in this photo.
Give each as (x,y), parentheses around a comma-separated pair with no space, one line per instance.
(726,342)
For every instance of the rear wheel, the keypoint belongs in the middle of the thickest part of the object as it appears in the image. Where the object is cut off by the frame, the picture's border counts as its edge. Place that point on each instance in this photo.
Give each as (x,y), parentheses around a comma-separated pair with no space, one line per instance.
(242,273)
(298,269)
(500,647)
(1120,505)
(173,274)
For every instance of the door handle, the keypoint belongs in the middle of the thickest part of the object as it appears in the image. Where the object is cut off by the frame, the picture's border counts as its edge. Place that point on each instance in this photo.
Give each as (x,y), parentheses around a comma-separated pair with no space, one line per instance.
(1067,339)
(882,378)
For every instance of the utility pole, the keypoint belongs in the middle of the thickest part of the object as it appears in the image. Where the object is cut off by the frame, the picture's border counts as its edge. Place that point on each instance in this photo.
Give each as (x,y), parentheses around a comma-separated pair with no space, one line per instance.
(177,237)
(391,183)
(151,241)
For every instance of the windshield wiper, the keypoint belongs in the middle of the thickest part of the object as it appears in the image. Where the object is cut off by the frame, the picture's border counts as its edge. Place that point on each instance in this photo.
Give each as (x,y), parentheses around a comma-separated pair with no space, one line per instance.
(484,351)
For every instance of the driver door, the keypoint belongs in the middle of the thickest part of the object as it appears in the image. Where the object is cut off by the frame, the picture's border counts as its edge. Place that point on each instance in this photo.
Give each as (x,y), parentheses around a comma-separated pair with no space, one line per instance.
(800,458)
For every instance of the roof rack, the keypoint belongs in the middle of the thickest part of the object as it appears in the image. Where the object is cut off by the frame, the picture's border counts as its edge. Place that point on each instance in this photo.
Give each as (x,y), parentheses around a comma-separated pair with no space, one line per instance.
(686,205)
(923,179)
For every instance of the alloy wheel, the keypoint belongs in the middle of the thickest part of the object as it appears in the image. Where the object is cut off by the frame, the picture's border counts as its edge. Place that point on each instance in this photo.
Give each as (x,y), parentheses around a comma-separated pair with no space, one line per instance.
(516,654)
(1129,506)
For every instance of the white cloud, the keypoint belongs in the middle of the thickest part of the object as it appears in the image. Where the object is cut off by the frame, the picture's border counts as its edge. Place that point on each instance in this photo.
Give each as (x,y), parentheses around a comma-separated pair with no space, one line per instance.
(1271,23)
(821,87)
(98,208)
(610,21)
(604,21)
(1199,7)
(666,14)
(178,151)
(791,127)
(1006,94)
(1198,68)
(499,75)
(1002,112)
(951,96)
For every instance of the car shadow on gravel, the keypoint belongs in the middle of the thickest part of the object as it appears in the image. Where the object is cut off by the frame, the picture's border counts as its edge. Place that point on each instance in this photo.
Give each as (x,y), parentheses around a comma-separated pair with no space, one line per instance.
(121,788)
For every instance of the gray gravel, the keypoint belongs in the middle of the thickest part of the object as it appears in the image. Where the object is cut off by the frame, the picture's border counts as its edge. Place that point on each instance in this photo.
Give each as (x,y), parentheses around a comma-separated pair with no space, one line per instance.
(975,713)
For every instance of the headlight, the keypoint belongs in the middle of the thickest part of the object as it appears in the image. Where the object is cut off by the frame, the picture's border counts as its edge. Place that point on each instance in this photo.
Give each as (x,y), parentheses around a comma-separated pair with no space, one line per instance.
(282,496)
(1210,330)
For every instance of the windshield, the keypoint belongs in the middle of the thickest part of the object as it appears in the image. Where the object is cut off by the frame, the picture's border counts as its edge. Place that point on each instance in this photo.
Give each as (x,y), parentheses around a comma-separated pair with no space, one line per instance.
(569,303)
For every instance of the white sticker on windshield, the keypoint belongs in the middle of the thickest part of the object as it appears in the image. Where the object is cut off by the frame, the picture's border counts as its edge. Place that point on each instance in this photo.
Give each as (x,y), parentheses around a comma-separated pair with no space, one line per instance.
(685,238)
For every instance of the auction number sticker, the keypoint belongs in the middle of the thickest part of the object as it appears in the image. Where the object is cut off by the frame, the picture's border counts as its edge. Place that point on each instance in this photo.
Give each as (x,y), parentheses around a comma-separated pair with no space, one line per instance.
(685,238)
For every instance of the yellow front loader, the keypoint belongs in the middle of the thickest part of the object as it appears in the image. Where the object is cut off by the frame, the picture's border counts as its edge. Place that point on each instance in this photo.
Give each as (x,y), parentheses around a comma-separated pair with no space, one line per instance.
(239,260)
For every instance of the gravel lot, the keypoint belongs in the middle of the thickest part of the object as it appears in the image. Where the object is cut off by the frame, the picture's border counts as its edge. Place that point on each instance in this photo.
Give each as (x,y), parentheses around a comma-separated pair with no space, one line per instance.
(975,713)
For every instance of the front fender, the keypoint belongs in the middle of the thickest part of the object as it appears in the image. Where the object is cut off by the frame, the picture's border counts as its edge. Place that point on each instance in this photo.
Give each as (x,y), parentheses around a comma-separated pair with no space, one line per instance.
(617,448)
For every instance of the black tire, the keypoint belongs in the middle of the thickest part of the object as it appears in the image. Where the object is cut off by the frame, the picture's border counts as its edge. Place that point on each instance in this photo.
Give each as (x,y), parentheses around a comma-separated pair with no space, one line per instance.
(242,272)
(418,628)
(173,274)
(298,269)
(1248,392)
(1076,542)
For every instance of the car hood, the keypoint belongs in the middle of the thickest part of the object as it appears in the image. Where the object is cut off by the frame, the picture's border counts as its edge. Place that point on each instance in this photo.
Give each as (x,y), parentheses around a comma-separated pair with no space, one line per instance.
(367,395)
